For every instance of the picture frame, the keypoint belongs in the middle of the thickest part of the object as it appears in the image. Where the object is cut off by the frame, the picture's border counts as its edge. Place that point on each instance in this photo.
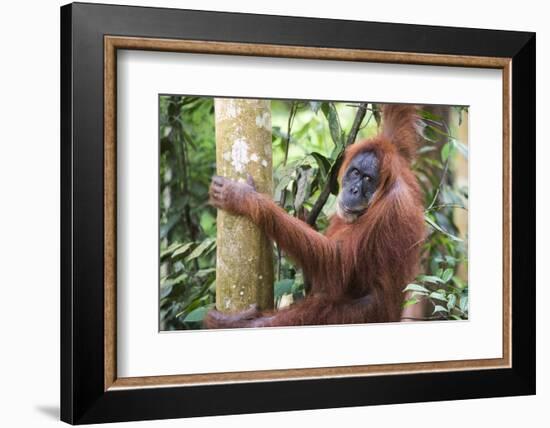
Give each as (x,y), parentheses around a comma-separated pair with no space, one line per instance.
(91,391)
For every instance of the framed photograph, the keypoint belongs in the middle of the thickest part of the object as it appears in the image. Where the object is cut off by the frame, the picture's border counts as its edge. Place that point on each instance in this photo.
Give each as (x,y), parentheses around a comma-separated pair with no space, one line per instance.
(266,213)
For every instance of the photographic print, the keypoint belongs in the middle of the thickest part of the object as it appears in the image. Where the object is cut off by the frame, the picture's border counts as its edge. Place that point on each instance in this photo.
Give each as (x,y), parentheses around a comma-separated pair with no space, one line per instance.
(276,213)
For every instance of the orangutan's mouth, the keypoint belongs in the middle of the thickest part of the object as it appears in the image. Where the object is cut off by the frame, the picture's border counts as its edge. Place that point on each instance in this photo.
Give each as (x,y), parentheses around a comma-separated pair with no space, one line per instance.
(352,212)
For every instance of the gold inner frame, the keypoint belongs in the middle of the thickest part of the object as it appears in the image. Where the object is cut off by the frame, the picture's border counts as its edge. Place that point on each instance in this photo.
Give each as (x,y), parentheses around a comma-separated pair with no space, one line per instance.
(112,43)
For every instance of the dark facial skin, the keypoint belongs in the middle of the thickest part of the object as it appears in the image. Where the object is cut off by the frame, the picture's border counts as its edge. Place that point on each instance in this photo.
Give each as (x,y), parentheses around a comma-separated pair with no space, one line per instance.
(359,183)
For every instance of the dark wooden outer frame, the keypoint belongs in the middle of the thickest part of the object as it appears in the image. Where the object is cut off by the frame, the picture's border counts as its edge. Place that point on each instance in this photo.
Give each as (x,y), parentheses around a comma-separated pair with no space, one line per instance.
(90,34)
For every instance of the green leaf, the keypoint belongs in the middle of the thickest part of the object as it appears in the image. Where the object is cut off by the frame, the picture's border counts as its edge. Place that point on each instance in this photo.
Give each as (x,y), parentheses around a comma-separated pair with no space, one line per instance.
(173,280)
(281,187)
(315,106)
(165,291)
(439,308)
(433,163)
(430,278)
(182,250)
(167,227)
(205,272)
(323,163)
(283,287)
(440,229)
(200,249)
(418,293)
(425,149)
(169,250)
(303,186)
(445,152)
(429,134)
(410,302)
(447,275)
(277,133)
(451,302)
(196,315)
(212,287)
(416,287)
(438,296)
(463,304)
(451,261)
(459,283)
(329,110)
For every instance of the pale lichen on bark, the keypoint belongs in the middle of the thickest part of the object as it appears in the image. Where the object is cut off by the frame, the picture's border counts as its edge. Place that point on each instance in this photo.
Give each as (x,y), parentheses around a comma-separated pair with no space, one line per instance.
(244,270)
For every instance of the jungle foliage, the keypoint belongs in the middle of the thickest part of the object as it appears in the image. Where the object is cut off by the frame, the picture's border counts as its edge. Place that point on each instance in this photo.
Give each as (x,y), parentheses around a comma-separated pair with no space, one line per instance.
(308,141)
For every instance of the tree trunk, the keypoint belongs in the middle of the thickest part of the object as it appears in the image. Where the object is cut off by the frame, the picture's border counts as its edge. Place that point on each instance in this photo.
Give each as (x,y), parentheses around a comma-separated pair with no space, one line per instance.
(244,269)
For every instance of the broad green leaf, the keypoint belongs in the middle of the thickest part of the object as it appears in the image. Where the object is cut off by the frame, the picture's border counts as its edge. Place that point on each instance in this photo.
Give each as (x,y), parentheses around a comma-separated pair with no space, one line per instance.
(200,249)
(329,110)
(278,133)
(173,280)
(170,249)
(416,287)
(418,293)
(430,278)
(451,261)
(196,315)
(167,227)
(458,283)
(322,162)
(205,272)
(281,187)
(303,185)
(445,151)
(208,222)
(429,134)
(464,304)
(433,163)
(212,287)
(165,291)
(410,302)
(451,302)
(425,149)
(447,275)
(438,308)
(183,249)
(438,296)
(315,106)
(440,229)
(282,287)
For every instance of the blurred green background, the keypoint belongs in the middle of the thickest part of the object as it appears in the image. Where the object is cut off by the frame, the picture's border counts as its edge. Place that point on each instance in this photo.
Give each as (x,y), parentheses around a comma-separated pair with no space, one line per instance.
(308,137)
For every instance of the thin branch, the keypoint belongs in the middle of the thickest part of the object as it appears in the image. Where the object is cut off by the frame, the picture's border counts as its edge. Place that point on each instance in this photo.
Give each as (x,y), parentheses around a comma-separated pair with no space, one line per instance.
(291,116)
(293,110)
(445,168)
(440,186)
(437,207)
(333,175)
